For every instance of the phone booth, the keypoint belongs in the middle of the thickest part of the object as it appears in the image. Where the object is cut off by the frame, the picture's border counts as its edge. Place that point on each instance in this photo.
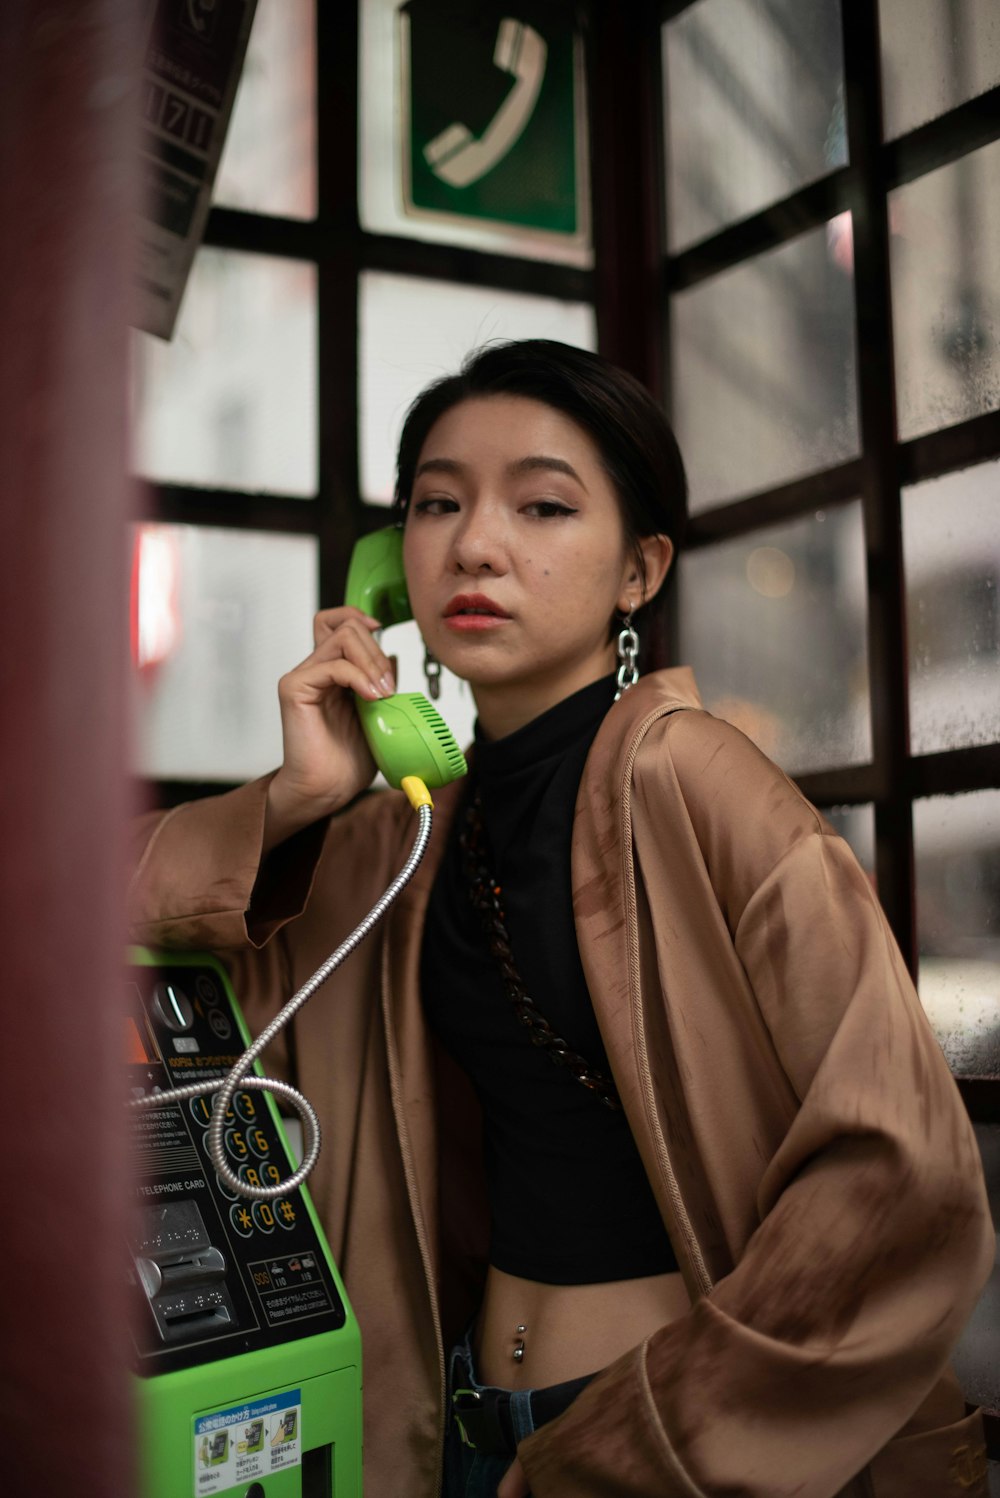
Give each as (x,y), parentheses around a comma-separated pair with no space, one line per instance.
(247,1354)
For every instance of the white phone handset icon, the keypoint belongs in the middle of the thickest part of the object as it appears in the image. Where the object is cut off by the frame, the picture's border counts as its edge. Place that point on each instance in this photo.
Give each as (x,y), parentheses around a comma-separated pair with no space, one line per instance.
(456,155)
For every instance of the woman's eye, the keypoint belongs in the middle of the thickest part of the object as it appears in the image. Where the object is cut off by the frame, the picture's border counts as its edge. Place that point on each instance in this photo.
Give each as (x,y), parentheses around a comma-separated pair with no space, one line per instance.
(435,504)
(546,509)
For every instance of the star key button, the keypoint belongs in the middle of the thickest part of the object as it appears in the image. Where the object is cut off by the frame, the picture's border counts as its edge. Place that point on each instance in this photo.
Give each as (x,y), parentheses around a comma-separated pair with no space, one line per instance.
(241,1220)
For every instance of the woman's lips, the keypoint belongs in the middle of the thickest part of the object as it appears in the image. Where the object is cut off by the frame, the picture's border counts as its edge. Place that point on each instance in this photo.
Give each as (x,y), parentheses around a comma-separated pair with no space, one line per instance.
(471,623)
(474,612)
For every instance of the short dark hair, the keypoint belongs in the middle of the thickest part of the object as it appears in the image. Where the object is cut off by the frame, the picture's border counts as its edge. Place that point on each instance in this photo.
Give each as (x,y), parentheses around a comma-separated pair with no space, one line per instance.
(632,434)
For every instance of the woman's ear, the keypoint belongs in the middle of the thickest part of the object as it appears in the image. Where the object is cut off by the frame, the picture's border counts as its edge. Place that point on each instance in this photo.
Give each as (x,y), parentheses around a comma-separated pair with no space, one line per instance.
(637,589)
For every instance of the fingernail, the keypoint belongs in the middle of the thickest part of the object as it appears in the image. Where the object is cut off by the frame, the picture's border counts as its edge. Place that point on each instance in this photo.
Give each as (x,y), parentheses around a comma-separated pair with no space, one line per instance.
(388,684)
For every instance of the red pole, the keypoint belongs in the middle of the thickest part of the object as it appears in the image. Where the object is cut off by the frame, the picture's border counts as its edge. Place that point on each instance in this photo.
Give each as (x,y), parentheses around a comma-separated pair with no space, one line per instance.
(66,184)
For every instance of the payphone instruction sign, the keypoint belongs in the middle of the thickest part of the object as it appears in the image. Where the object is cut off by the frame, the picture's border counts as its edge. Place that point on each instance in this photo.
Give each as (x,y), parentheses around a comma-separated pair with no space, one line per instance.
(246,1442)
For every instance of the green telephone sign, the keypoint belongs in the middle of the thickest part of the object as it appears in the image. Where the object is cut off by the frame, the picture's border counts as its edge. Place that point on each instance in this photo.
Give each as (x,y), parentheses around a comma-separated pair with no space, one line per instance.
(493,113)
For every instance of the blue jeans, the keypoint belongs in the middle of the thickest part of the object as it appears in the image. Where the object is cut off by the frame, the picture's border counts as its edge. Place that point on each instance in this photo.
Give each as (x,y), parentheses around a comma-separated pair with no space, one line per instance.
(476,1474)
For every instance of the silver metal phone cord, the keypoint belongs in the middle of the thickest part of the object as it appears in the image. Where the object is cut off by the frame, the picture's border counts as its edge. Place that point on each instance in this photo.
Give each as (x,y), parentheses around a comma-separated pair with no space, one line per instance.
(240,1076)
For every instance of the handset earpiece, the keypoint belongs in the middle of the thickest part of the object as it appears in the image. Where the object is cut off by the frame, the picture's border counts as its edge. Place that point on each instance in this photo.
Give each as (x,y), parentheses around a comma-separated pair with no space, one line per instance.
(376,582)
(406,735)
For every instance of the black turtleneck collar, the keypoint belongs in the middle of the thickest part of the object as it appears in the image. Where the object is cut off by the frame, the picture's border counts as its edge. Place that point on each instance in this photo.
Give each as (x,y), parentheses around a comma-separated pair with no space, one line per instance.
(548,735)
(523,774)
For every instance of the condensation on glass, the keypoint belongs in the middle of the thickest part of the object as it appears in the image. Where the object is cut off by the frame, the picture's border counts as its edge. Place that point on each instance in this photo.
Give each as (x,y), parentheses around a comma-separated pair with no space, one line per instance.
(951,546)
(774,626)
(856,825)
(945,263)
(269,161)
(957,848)
(753,108)
(413,331)
(763,359)
(935,55)
(380,192)
(230,401)
(218,617)
(976,1360)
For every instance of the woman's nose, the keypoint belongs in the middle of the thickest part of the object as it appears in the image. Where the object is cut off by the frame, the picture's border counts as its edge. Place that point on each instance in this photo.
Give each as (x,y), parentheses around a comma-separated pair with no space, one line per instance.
(478,546)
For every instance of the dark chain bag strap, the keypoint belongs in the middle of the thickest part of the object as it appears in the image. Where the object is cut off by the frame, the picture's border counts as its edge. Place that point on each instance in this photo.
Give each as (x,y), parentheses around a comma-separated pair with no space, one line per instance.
(485,893)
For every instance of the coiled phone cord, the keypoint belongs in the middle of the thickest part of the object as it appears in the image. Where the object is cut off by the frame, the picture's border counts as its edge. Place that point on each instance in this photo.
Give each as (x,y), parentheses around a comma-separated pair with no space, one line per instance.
(240,1076)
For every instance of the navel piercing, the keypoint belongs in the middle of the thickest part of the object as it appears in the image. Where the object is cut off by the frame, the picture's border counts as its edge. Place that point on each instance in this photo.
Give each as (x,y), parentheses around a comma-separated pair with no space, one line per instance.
(519,1349)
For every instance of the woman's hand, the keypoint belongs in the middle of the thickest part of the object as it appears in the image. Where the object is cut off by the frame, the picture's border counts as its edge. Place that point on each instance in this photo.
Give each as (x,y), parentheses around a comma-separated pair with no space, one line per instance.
(514,1484)
(326,760)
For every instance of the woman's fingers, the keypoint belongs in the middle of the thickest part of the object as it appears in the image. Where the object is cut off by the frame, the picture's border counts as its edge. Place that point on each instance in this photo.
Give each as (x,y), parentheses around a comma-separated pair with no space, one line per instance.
(348,634)
(328,621)
(311,683)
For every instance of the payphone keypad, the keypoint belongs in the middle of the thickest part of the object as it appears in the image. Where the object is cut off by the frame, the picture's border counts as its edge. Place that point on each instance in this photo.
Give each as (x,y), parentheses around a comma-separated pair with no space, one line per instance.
(213,1272)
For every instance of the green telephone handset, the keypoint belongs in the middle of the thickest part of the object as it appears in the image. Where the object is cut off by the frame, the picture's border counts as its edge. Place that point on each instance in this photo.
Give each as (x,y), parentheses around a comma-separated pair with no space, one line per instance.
(405,734)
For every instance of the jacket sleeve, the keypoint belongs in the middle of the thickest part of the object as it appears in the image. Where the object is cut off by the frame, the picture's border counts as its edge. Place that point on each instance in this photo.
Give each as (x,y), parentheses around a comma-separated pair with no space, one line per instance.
(199,883)
(872,1242)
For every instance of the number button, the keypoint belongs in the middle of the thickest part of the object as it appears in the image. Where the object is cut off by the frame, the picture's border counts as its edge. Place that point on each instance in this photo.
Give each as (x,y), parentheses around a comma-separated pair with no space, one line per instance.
(241,1220)
(263,1216)
(201,1111)
(236,1145)
(258,1143)
(248,1173)
(285,1214)
(246,1107)
(271,1173)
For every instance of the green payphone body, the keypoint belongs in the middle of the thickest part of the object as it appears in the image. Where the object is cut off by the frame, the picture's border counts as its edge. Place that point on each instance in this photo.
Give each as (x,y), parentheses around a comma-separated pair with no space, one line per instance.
(247,1353)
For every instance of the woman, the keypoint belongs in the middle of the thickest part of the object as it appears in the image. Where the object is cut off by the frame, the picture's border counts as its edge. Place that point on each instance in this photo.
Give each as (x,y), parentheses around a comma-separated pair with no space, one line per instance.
(726,1248)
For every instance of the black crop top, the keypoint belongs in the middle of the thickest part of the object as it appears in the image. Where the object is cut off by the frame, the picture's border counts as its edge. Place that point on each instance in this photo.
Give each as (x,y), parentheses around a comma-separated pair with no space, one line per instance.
(569,1199)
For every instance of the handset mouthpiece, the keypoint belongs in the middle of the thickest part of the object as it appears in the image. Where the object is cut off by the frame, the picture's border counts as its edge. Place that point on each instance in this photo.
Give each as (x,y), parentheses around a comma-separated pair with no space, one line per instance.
(407,737)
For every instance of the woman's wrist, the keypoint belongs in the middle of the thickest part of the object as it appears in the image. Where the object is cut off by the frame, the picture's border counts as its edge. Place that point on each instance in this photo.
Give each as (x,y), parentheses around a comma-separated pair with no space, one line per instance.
(286,813)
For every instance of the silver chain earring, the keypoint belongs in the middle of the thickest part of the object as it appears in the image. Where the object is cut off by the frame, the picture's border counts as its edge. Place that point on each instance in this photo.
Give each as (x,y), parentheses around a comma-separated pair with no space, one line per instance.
(432,671)
(628,655)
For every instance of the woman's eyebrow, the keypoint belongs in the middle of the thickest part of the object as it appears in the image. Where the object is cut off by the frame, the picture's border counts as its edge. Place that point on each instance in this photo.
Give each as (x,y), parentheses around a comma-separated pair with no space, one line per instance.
(534,464)
(542,463)
(439,465)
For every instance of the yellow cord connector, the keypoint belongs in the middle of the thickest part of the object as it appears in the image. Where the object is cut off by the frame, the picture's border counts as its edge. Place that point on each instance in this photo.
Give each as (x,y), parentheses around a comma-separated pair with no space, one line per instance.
(416,791)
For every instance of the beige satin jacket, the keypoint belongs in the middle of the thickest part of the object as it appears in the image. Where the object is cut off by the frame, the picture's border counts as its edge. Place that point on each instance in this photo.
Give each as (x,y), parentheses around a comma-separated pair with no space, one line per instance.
(803,1136)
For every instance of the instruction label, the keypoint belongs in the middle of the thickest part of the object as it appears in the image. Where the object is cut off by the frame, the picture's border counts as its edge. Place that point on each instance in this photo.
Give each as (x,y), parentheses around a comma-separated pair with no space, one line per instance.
(290,1287)
(246,1442)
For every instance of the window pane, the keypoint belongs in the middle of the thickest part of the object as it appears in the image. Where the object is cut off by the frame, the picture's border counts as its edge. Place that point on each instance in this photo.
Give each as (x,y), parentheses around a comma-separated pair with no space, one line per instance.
(774,626)
(935,54)
(957,845)
(945,254)
(219,616)
(231,400)
(764,368)
(478,92)
(269,163)
(951,542)
(977,1357)
(414,331)
(754,108)
(856,825)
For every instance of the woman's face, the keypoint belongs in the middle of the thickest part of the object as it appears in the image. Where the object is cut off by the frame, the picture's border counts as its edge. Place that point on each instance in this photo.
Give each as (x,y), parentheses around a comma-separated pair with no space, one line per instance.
(515,555)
